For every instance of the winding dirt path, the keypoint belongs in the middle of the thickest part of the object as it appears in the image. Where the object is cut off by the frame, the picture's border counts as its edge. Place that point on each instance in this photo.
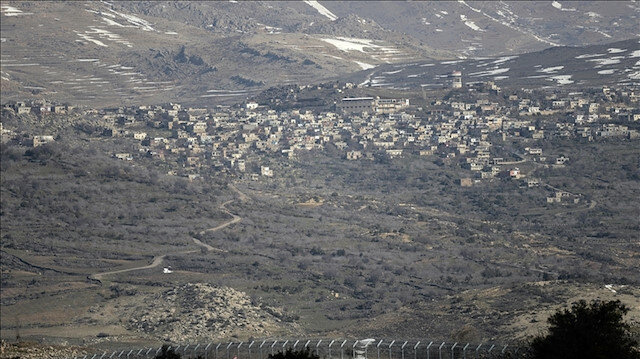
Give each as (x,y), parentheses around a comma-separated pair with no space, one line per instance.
(157,260)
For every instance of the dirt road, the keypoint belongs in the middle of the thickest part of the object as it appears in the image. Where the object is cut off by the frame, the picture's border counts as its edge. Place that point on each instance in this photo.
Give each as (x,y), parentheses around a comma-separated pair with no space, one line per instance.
(157,260)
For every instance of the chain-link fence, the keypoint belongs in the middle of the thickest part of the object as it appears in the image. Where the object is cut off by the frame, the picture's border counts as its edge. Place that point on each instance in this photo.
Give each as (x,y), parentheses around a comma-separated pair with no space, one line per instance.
(326,349)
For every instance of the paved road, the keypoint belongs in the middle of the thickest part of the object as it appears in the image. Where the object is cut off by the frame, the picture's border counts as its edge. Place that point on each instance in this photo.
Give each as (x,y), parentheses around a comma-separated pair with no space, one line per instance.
(157,260)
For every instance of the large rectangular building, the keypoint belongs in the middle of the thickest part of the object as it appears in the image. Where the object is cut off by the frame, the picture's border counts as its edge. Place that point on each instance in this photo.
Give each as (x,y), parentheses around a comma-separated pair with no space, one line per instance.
(357,104)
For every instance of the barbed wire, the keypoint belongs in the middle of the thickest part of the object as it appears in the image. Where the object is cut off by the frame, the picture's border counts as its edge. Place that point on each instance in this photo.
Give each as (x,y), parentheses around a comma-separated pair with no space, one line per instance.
(324,348)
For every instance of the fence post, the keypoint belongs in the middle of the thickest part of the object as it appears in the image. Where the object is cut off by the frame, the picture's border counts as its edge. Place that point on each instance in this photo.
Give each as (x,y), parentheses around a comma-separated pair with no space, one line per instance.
(296,343)
(284,345)
(274,343)
(250,345)
(353,349)
(195,349)
(505,348)
(440,350)
(119,355)
(147,353)
(378,347)
(477,349)
(184,351)
(317,347)
(264,341)
(139,351)
(429,346)
(206,351)
(229,346)
(402,348)
(415,350)
(390,345)
(94,356)
(342,349)
(452,348)
(239,345)
(330,344)
(216,354)
(490,349)
(464,351)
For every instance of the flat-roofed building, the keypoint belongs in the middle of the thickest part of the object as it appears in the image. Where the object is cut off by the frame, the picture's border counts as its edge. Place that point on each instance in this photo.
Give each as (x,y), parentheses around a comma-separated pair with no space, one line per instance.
(357,104)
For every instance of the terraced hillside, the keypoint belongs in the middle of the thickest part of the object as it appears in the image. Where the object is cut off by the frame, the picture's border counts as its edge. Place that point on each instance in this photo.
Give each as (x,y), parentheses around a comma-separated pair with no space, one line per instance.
(596,65)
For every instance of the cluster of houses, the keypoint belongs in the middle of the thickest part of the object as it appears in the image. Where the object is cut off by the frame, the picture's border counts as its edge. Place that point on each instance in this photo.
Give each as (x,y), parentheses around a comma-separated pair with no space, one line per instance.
(227,139)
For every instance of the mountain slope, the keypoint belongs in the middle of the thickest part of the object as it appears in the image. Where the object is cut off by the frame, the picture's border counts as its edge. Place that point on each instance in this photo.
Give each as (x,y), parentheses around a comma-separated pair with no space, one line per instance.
(590,66)
(96,52)
(491,28)
(105,54)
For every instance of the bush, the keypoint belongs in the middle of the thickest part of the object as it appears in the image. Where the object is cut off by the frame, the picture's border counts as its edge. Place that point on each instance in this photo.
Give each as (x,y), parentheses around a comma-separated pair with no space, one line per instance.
(167,353)
(298,354)
(587,331)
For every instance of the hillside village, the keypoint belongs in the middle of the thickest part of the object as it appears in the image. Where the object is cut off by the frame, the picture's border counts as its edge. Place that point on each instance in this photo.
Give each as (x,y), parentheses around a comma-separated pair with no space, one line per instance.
(480,129)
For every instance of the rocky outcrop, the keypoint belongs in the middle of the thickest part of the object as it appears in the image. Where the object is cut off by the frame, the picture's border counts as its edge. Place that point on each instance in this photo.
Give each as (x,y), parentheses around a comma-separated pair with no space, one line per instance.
(194,311)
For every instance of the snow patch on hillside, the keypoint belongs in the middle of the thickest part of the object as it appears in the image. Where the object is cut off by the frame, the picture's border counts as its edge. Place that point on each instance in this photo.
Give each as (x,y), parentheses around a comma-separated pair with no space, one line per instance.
(364,65)
(587,56)
(509,24)
(111,22)
(134,20)
(321,9)
(603,33)
(12,11)
(558,6)
(472,8)
(470,23)
(489,72)
(379,52)
(350,44)
(562,79)
(92,40)
(604,62)
(551,70)
(504,59)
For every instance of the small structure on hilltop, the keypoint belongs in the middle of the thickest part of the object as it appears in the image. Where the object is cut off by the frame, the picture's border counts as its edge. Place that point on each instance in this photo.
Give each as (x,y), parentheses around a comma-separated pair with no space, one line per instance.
(456,79)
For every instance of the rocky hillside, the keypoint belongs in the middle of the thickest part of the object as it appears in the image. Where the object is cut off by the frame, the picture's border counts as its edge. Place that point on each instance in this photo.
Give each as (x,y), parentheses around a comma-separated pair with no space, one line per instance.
(492,28)
(201,52)
(198,311)
(28,350)
(105,54)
